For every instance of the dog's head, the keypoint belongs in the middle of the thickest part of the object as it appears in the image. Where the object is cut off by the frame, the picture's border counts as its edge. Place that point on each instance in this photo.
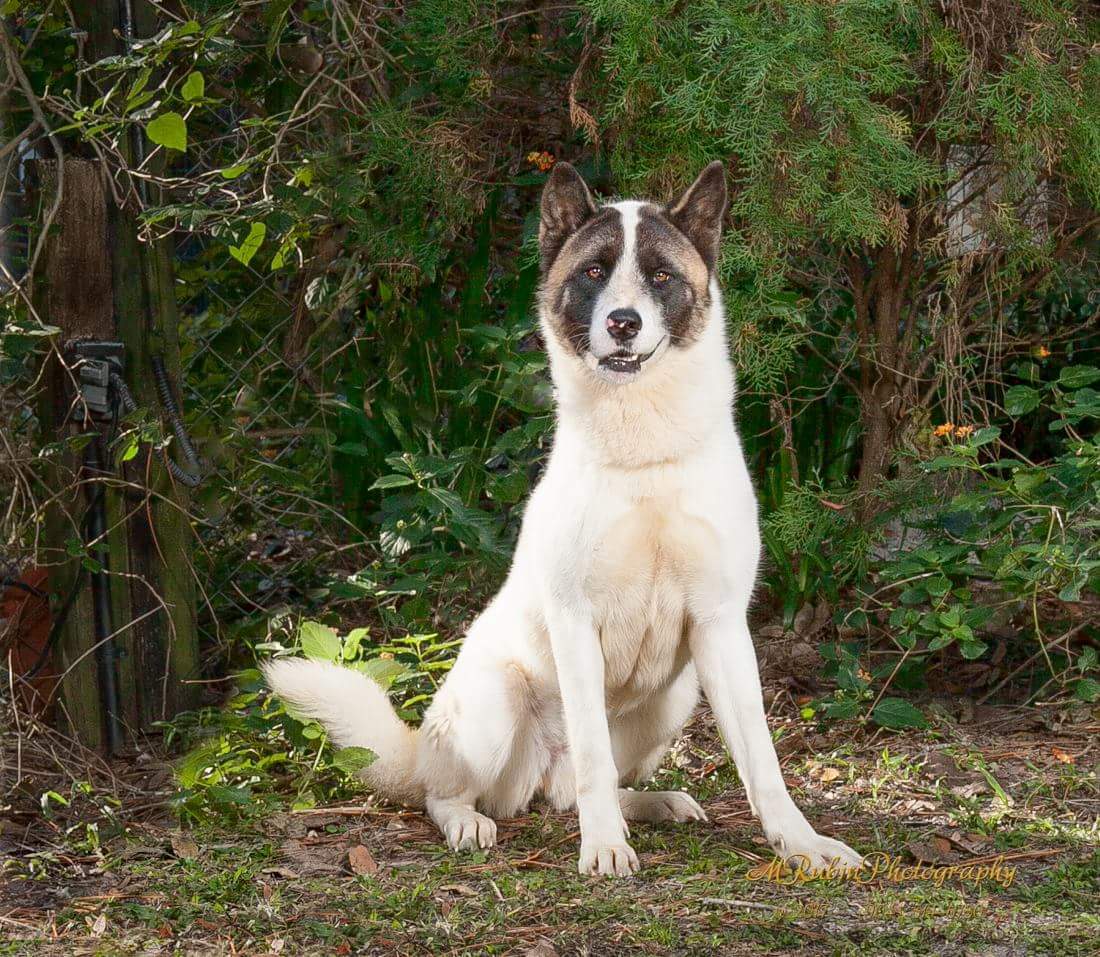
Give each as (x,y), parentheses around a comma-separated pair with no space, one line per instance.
(624,284)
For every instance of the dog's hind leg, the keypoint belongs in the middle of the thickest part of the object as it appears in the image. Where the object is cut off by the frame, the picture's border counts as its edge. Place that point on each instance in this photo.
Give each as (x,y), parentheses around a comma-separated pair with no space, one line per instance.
(463,827)
(641,740)
(653,806)
(476,754)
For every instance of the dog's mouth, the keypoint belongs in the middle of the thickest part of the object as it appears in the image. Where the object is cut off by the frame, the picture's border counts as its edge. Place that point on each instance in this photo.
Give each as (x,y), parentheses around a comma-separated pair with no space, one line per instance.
(627,362)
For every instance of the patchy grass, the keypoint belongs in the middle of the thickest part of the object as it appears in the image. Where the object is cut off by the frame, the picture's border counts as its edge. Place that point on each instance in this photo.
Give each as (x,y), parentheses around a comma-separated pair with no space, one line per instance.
(954,794)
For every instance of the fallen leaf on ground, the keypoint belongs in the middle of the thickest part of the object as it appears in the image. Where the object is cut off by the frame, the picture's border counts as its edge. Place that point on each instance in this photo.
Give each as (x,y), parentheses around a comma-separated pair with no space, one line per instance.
(943,845)
(929,852)
(1064,756)
(184,845)
(360,861)
(913,805)
(973,789)
(312,859)
(542,949)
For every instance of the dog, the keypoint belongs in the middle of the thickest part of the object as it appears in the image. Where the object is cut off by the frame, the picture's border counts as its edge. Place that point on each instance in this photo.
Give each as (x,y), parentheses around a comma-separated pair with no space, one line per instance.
(633,572)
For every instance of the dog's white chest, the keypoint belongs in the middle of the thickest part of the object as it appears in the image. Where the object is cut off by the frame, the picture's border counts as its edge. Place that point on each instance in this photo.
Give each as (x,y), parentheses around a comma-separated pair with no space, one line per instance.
(642,573)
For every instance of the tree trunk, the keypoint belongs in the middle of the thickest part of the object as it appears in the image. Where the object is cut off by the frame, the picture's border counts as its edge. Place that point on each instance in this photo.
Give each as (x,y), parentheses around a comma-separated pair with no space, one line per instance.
(878,305)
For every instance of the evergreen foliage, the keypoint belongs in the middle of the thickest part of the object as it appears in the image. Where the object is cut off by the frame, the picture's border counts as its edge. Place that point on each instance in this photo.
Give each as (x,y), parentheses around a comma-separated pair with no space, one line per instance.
(915,188)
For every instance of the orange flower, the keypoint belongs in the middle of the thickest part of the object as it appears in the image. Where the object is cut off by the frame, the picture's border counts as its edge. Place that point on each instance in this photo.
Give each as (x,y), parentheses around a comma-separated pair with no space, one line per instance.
(962,431)
(1041,352)
(941,430)
(542,160)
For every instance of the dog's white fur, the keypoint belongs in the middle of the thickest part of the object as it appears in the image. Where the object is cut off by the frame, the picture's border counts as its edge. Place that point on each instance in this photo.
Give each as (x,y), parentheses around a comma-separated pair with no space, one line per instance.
(629,588)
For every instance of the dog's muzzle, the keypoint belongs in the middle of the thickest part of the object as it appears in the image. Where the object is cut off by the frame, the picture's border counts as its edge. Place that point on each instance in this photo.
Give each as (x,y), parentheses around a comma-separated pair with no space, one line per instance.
(627,362)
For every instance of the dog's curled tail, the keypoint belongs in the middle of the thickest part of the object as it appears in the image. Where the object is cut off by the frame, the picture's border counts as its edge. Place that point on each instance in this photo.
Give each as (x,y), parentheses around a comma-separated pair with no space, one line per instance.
(356,713)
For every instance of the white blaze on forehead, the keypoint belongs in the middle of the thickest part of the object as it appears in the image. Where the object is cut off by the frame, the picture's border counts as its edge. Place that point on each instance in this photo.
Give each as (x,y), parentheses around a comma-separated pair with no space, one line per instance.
(626,288)
(629,213)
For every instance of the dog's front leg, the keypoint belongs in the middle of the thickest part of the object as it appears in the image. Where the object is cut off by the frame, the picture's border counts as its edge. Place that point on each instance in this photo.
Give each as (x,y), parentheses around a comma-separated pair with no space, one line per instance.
(578,660)
(726,663)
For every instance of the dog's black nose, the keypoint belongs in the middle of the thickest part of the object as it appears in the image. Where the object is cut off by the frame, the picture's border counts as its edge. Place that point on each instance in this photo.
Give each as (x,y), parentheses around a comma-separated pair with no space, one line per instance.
(623,324)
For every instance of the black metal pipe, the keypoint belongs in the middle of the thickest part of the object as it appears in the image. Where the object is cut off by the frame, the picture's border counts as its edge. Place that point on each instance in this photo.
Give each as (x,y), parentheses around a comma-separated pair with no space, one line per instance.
(137,142)
(105,653)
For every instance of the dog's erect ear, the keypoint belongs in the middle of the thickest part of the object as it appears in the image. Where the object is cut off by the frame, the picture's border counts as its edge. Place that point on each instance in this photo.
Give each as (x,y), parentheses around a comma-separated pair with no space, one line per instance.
(566,206)
(699,210)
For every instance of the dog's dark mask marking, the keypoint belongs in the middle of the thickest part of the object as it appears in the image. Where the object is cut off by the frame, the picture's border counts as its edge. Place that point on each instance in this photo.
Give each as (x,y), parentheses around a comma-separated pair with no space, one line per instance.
(684,298)
(598,242)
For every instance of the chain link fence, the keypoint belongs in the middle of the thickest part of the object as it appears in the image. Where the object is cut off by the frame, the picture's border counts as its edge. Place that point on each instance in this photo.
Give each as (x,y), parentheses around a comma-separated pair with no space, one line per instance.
(261,410)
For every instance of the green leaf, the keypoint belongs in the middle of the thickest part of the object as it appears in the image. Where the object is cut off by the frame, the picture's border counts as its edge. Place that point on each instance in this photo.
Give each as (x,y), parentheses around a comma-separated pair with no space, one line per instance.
(1087,689)
(898,713)
(383,670)
(232,172)
(938,586)
(973,649)
(355,448)
(913,595)
(227,795)
(319,642)
(391,481)
(1088,659)
(847,708)
(251,245)
(193,87)
(275,12)
(352,640)
(942,462)
(1021,399)
(286,249)
(1074,377)
(353,760)
(509,488)
(190,769)
(1072,590)
(169,130)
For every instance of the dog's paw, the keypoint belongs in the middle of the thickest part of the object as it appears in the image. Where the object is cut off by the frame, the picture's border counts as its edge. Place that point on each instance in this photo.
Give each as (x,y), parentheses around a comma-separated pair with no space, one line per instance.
(815,851)
(794,840)
(612,860)
(468,830)
(656,806)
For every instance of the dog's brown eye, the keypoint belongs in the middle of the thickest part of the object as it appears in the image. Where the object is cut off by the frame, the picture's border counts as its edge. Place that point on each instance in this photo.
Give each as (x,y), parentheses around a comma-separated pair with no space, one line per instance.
(660,277)
(595,273)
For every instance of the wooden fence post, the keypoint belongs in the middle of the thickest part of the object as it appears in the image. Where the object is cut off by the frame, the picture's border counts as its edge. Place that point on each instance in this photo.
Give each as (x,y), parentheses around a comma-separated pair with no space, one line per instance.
(73,292)
(153,586)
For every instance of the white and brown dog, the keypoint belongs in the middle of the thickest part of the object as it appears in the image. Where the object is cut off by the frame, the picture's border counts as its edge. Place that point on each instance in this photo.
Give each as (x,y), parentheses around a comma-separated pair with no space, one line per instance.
(633,573)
